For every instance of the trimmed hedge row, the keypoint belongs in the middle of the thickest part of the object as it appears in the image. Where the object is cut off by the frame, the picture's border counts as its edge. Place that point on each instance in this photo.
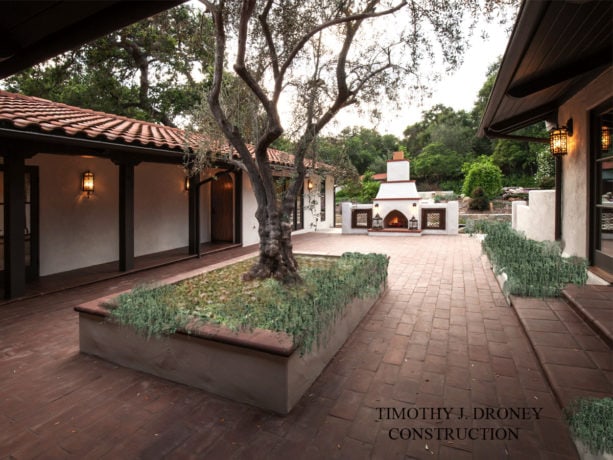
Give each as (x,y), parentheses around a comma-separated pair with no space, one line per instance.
(533,268)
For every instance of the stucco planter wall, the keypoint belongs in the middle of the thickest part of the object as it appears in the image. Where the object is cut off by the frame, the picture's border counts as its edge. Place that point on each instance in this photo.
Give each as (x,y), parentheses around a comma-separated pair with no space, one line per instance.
(260,367)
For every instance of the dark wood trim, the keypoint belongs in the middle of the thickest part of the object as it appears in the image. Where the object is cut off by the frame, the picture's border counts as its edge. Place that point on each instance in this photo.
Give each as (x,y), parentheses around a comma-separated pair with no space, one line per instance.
(238,207)
(598,259)
(354,218)
(14,224)
(442,215)
(126,216)
(558,198)
(546,111)
(586,63)
(194,215)
(33,270)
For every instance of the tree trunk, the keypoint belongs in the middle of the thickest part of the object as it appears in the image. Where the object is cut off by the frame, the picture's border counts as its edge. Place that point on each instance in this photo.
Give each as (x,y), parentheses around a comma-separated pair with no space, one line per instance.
(276,259)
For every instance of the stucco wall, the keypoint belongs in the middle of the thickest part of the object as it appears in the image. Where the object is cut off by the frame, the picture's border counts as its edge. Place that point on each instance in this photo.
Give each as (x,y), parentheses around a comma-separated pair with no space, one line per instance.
(537,220)
(76,231)
(250,223)
(575,185)
(160,208)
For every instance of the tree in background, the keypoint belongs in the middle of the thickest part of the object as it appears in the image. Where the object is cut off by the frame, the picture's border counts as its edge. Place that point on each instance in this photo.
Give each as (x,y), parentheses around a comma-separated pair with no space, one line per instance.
(324,56)
(153,70)
(437,162)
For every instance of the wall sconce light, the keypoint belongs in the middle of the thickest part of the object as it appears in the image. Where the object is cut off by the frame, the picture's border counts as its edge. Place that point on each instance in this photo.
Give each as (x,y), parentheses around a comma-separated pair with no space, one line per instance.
(605,138)
(87,182)
(310,185)
(186,184)
(558,139)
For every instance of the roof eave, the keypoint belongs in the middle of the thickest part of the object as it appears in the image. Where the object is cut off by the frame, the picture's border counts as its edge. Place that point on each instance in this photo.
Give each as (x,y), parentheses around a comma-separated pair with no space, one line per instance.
(528,18)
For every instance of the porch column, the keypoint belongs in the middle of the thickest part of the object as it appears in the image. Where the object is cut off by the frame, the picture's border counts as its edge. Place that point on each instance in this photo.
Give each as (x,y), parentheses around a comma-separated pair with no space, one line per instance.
(194,214)
(14,225)
(238,206)
(126,214)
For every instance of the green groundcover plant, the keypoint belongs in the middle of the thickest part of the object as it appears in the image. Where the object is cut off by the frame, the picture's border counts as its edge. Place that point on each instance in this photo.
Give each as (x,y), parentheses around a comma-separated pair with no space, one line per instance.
(533,268)
(303,311)
(591,421)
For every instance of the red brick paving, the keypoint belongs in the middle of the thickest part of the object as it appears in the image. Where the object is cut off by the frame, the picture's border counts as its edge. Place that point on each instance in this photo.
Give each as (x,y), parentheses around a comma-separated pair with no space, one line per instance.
(442,336)
(577,361)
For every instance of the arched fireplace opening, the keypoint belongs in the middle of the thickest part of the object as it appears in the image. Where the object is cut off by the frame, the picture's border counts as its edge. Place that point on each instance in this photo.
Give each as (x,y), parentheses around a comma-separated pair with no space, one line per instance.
(395,219)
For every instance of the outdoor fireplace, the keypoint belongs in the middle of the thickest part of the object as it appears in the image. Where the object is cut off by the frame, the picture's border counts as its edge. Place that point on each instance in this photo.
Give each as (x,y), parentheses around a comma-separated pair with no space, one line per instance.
(395,219)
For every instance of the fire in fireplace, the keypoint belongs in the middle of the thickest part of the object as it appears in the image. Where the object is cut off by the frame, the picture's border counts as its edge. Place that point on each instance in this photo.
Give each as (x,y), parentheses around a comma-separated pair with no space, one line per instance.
(395,219)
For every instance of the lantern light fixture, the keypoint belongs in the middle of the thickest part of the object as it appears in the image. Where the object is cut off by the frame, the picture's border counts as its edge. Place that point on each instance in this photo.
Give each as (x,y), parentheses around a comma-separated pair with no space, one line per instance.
(413,223)
(558,139)
(87,182)
(186,184)
(605,138)
(310,184)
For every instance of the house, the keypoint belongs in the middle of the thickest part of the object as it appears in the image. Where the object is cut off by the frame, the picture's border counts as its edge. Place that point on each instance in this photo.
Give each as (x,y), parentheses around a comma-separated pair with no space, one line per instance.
(82,188)
(558,68)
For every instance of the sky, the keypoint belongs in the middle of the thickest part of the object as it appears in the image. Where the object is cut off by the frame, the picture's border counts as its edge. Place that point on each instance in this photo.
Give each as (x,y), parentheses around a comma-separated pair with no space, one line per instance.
(457,90)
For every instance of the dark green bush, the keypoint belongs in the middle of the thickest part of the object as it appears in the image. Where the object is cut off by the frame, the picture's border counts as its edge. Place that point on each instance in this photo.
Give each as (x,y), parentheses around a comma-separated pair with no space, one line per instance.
(485,174)
(533,268)
(478,200)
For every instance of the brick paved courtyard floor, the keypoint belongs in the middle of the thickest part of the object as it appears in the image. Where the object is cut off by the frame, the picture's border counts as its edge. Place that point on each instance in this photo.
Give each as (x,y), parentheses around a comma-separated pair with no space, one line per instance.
(442,336)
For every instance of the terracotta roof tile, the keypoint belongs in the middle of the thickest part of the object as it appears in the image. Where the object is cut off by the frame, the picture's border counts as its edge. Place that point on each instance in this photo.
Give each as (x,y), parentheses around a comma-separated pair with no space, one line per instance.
(35,114)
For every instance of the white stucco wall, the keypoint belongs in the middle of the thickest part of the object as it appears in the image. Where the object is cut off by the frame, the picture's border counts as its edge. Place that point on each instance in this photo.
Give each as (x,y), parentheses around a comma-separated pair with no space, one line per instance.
(452,218)
(250,223)
(160,208)
(76,231)
(398,170)
(312,217)
(575,186)
(537,220)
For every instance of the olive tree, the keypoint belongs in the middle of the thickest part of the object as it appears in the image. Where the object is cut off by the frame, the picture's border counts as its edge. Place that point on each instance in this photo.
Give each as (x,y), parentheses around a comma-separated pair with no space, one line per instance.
(320,57)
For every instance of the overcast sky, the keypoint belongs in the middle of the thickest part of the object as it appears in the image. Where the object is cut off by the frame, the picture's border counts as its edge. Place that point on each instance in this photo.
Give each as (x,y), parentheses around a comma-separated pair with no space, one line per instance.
(458,90)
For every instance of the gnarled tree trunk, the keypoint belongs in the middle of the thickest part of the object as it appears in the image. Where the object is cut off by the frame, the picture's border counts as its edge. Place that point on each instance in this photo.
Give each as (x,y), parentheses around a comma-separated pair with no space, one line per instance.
(276,259)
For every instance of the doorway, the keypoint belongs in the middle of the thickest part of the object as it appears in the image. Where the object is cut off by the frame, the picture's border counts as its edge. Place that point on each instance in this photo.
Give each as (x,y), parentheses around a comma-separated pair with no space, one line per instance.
(601,209)
(31,229)
(222,209)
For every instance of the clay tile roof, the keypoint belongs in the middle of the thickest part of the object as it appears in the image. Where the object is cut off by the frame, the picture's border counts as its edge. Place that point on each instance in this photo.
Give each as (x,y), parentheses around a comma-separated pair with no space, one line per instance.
(40,115)
(35,114)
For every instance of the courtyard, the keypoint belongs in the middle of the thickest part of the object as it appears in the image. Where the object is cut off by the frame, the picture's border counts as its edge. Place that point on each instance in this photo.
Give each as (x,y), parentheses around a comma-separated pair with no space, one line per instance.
(441,352)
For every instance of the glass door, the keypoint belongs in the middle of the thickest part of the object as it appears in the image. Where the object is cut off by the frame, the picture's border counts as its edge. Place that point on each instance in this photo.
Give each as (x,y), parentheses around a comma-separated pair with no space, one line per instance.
(602,188)
(30,231)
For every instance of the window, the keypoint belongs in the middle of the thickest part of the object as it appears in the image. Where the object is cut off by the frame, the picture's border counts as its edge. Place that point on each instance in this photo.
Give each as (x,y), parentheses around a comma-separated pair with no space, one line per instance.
(322,199)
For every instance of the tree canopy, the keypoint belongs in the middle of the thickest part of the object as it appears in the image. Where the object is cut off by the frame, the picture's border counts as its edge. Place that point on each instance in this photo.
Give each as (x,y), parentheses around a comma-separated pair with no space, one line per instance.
(154,70)
(322,56)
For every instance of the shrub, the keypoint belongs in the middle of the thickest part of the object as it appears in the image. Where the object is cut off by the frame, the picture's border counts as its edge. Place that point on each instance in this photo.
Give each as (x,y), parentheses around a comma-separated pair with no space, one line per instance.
(545,169)
(478,200)
(485,174)
(589,420)
(533,268)
(146,310)
(303,311)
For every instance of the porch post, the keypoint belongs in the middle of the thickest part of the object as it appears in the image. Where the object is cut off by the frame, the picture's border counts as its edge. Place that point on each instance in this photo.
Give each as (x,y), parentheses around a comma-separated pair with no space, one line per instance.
(14,225)
(238,206)
(194,214)
(126,215)
(558,200)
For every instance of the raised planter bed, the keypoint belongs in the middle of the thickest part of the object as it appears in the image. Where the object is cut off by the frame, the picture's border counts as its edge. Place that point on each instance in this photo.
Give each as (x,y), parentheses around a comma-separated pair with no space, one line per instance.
(258,367)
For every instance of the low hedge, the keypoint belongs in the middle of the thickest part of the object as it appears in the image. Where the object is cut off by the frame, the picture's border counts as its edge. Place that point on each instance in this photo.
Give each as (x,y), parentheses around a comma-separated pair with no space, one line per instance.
(303,311)
(533,268)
